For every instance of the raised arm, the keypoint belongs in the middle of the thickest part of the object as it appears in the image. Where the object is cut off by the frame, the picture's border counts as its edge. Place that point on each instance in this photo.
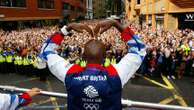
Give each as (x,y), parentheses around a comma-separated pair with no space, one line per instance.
(57,65)
(103,26)
(130,63)
(136,49)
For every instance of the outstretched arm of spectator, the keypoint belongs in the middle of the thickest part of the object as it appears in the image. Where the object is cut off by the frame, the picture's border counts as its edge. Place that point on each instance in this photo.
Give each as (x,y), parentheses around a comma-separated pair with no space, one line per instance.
(11,102)
(58,65)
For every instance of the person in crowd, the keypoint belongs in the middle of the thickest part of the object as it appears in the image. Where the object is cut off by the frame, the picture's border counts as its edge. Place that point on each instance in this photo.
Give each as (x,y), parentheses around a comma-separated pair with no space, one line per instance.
(18,45)
(192,52)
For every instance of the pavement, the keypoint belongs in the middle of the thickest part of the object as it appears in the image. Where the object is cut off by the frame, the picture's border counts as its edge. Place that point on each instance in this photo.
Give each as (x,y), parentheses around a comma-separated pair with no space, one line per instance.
(160,90)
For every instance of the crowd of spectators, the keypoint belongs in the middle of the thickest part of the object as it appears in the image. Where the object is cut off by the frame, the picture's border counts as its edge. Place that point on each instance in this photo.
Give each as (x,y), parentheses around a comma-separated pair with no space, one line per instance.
(23,42)
(170,53)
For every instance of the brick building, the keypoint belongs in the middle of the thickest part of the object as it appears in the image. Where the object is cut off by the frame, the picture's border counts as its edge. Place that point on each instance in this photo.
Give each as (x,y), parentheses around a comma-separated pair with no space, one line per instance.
(11,10)
(22,13)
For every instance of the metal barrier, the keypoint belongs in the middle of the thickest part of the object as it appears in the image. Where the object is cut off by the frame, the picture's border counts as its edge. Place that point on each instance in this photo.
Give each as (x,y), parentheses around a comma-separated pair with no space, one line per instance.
(126,103)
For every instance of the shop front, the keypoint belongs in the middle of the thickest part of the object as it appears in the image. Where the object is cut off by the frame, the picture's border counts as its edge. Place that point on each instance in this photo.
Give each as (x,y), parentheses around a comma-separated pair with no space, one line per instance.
(160,21)
(185,20)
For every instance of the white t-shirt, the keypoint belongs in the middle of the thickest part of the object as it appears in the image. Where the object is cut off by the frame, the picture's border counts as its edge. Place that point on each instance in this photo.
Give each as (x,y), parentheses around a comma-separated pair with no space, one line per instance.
(191,45)
(167,52)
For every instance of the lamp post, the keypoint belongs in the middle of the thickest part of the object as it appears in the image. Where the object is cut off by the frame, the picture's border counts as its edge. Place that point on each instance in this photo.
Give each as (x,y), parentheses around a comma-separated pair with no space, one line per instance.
(141,20)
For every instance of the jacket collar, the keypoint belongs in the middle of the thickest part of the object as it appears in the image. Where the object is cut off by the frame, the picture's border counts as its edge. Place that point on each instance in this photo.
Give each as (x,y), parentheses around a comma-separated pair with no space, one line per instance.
(97,66)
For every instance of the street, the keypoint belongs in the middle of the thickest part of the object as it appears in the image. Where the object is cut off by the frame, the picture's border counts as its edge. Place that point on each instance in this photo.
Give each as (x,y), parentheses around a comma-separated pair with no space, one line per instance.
(143,89)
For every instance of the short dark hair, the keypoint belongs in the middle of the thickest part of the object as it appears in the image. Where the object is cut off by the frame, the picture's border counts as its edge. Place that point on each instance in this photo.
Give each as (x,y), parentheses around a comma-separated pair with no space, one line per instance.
(94,50)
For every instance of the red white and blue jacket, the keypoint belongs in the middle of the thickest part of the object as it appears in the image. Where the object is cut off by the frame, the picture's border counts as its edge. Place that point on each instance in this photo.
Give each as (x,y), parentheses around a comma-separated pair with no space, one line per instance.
(94,87)
(12,102)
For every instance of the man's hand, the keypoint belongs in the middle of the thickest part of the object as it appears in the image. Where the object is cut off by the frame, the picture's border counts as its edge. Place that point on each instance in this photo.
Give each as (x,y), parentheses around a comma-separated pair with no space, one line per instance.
(79,28)
(105,25)
(34,92)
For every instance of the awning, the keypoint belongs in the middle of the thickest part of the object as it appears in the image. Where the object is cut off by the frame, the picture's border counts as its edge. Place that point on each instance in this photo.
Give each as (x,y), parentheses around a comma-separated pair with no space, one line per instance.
(184,3)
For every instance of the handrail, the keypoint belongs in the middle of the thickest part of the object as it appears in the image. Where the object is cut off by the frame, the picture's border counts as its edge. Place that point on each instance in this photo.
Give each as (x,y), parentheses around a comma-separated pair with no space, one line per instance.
(127,103)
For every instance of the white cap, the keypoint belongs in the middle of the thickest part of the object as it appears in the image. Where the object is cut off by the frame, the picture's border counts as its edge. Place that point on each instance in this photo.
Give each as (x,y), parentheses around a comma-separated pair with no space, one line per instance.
(41,64)
(64,30)
(113,17)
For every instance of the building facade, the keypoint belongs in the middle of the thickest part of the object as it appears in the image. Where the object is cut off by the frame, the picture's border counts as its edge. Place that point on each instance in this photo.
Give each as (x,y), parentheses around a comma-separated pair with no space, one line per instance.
(11,10)
(167,14)
(29,13)
(99,9)
(18,13)
(105,8)
(74,9)
(114,7)
(89,8)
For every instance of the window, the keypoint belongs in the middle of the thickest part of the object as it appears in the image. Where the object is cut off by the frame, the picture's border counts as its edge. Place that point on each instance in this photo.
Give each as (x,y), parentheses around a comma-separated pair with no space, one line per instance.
(78,9)
(72,8)
(48,4)
(13,3)
(90,4)
(66,6)
(138,2)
